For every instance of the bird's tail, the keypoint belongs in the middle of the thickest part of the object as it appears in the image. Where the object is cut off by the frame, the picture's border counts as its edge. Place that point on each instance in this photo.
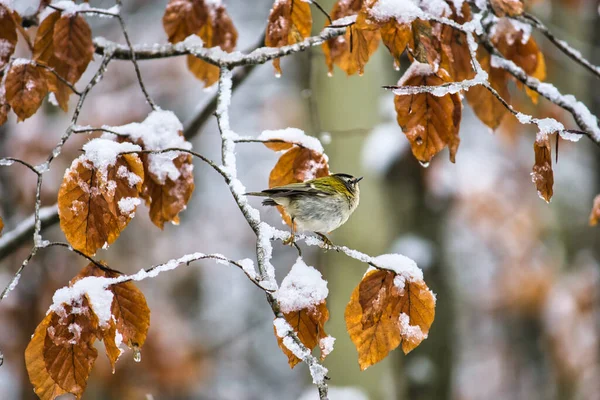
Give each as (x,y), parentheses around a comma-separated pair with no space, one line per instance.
(261,194)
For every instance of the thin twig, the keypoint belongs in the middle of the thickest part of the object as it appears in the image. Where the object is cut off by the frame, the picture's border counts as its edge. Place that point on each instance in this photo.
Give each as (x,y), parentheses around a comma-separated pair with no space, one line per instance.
(133,59)
(561,44)
(60,78)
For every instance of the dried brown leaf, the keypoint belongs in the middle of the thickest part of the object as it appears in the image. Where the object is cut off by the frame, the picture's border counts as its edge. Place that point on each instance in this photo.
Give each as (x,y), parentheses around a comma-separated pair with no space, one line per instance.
(167,200)
(290,21)
(395,37)
(8,35)
(455,54)
(44,52)
(380,316)
(43,384)
(429,122)
(183,18)
(522,49)
(542,174)
(26,88)
(425,45)
(88,201)
(511,8)
(308,324)
(485,105)
(72,39)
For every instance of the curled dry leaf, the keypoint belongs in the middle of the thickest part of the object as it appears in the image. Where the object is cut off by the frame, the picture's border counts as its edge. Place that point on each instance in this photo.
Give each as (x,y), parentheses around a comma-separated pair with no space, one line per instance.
(380,316)
(522,49)
(429,122)
(290,21)
(94,206)
(352,51)
(595,213)
(4,107)
(542,174)
(48,51)
(308,324)
(8,35)
(210,21)
(511,8)
(297,165)
(485,105)
(26,88)
(424,45)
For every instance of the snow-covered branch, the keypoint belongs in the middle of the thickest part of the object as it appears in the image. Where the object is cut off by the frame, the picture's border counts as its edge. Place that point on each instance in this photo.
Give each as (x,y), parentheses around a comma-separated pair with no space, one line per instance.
(215,55)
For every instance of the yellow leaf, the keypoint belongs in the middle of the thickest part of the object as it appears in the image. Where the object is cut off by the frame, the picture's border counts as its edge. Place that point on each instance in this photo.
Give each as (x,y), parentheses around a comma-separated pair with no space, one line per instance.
(429,122)
(88,201)
(26,88)
(542,174)
(380,316)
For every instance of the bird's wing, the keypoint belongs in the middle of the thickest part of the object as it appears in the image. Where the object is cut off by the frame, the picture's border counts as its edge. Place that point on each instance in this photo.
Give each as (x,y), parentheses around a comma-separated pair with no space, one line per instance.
(295,189)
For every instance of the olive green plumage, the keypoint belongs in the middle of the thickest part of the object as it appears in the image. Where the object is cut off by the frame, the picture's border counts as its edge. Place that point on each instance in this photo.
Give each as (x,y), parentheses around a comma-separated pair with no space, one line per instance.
(319,205)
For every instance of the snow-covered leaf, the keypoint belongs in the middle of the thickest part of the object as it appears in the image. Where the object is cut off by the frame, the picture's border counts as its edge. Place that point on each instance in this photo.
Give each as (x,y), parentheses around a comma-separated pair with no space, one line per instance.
(99,194)
(8,35)
(385,310)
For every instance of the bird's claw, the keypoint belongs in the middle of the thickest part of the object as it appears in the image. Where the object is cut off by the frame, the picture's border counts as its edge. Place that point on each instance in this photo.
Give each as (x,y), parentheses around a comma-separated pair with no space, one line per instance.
(328,243)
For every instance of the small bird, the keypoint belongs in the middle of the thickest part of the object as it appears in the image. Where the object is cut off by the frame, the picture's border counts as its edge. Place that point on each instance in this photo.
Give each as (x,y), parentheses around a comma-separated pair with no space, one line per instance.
(320,205)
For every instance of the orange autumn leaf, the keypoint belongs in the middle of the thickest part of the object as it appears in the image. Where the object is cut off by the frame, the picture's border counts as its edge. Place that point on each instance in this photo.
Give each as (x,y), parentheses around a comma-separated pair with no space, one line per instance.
(167,199)
(46,50)
(595,213)
(290,22)
(72,40)
(511,8)
(522,49)
(207,20)
(308,324)
(26,88)
(542,174)
(429,122)
(219,33)
(130,312)
(297,165)
(61,354)
(4,107)
(455,54)
(395,36)
(381,316)
(1,225)
(485,105)
(96,203)
(352,51)
(8,35)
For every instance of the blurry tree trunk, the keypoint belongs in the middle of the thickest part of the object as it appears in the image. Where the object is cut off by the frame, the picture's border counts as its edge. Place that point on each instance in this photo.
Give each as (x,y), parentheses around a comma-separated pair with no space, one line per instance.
(349,103)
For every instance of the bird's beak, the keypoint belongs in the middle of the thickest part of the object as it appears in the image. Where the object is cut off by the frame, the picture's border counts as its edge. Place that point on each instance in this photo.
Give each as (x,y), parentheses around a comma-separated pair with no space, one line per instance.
(358,179)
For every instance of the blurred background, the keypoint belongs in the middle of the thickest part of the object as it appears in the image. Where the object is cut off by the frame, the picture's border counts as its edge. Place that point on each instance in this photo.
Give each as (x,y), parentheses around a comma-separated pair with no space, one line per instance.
(517,280)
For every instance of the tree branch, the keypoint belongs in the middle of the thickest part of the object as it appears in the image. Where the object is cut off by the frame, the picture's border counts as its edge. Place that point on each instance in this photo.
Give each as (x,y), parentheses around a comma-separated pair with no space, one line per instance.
(214,55)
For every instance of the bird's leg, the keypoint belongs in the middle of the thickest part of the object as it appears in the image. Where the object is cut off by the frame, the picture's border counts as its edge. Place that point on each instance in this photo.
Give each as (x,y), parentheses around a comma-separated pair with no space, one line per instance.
(292,239)
(325,239)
